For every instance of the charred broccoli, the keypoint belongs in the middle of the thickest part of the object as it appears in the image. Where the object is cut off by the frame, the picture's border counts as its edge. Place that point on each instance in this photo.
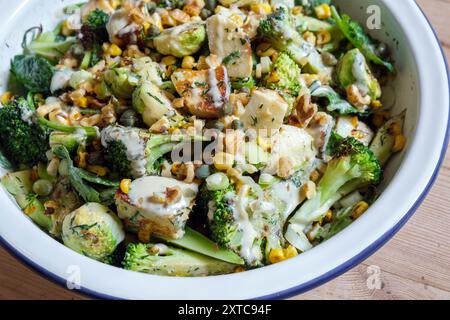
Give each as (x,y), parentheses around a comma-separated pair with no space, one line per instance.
(353,166)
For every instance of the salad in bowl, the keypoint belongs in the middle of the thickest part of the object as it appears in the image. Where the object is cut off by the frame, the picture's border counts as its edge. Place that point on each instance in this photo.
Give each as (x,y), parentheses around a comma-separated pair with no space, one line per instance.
(197,138)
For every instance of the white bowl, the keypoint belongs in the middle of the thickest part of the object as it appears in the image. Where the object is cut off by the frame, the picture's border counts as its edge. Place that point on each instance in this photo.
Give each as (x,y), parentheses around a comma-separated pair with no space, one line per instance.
(421,87)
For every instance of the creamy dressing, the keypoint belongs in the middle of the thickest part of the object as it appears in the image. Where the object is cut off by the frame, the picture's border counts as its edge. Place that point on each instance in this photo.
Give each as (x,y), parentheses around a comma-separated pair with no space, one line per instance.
(144,188)
(26,114)
(134,145)
(214,90)
(359,72)
(61,79)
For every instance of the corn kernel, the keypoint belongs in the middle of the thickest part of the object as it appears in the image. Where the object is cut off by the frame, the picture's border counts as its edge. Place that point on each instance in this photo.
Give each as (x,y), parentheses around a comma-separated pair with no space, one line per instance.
(125,185)
(376,104)
(290,252)
(30,209)
(98,170)
(188,62)
(328,216)
(218,9)
(115,50)
(169,60)
(264,49)
(81,102)
(273,77)
(237,19)
(82,159)
(399,144)
(261,8)
(380,118)
(114,3)
(6,97)
(359,209)
(323,37)
(297,10)
(355,122)
(276,255)
(223,161)
(263,142)
(239,269)
(66,30)
(310,37)
(323,11)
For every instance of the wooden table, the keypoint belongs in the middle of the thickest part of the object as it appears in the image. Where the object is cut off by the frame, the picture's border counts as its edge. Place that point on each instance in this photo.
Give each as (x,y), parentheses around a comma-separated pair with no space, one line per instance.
(415,264)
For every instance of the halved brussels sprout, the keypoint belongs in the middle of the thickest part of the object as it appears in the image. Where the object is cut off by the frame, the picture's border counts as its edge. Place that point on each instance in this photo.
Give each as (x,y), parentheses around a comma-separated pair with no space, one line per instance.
(147,70)
(354,70)
(121,82)
(149,101)
(93,230)
(182,40)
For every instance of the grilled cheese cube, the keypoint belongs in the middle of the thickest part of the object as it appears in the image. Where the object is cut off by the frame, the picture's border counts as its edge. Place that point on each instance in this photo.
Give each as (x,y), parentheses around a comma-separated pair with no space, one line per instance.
(205,92)
(265,110)
(231,44)
(158,204)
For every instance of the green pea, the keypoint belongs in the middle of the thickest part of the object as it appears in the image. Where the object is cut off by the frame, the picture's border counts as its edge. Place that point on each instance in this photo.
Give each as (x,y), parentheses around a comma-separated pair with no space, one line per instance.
(210,4)
(129,118)
(63,168)
(205,13)
(42,187)
(203,172)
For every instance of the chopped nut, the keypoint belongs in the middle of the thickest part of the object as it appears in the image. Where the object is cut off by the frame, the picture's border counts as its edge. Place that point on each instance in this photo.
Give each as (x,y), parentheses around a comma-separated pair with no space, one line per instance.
(354,96)
(173,195)
(285,167)
(309,190)
(160,126)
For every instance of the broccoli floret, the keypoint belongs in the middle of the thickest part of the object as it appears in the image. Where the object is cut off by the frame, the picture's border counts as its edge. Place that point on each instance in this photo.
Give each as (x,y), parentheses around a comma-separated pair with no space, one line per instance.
(164,260)
(23,141)
(279,29)
(134,152)
(288,73)
(251,234)
(353,166)
(94,30)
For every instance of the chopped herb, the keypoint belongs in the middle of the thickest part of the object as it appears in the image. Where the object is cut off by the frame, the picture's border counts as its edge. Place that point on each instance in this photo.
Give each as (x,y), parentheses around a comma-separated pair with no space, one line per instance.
(231,57)
(156,98)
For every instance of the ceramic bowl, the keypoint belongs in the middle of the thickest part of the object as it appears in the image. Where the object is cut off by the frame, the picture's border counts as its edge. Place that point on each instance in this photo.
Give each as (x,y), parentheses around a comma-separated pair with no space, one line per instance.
(421,87)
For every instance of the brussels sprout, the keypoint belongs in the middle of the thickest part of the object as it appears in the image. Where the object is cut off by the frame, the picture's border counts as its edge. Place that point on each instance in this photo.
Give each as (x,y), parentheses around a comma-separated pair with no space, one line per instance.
(121,82)
(149,101)
(148,70)
(353,69)
(93,230)
(182,40)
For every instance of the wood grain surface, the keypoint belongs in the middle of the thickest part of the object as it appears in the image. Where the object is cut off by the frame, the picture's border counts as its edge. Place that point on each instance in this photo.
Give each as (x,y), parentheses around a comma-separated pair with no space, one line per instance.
(415,264)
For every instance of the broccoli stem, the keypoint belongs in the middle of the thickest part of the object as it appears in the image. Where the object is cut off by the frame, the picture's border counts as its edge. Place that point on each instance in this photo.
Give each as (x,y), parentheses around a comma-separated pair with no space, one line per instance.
(91,132)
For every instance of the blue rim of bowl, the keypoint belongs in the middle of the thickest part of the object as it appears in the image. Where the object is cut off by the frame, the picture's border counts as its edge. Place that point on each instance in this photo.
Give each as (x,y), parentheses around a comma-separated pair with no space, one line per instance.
(307,285)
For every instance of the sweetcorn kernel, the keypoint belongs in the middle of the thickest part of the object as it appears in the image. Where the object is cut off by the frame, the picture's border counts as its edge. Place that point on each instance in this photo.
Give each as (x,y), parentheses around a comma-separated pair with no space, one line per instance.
(125,185)
(399,143)
(276,255)
(223,161)
(261,8)
(98,170)
(169,60)
(323,37)
(297,10)
(359,209)
(273,77)
(323,11)
(376,104)
(81,102)
(115,50)
(6,97)
(188,62)
(290,252)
